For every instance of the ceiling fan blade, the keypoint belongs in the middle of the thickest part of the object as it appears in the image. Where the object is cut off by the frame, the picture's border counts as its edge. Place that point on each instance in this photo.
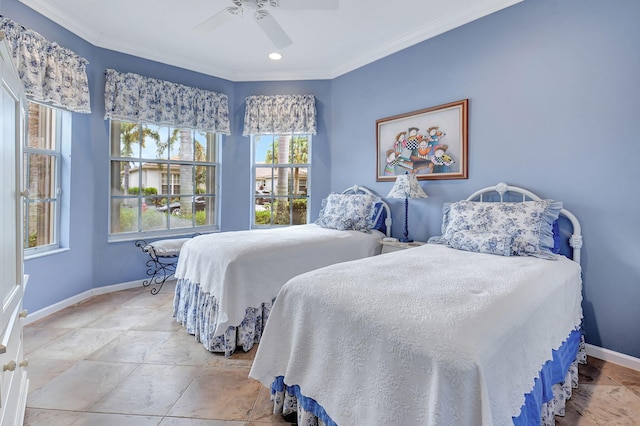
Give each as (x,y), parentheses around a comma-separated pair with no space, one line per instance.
(272,29)
(308,4)
(217,20)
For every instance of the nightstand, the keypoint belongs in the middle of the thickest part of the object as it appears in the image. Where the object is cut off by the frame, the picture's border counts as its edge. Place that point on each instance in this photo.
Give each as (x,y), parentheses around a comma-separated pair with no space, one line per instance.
(389,246)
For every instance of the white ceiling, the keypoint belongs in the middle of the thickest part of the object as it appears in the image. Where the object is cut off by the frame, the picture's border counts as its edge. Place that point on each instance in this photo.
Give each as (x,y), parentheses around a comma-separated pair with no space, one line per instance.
(326,43)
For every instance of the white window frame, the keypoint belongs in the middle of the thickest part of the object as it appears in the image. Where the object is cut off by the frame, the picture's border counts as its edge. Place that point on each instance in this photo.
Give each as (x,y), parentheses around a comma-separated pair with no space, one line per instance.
(62,136)
(141,233)
(254,180)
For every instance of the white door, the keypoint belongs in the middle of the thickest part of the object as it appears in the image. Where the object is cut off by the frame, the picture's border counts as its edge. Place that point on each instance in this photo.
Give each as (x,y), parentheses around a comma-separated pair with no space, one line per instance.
(10,203)
(13,373)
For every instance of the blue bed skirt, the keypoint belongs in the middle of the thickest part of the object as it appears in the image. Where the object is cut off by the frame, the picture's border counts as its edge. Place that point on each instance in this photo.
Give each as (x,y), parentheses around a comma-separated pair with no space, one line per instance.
(551,389)
(553,372)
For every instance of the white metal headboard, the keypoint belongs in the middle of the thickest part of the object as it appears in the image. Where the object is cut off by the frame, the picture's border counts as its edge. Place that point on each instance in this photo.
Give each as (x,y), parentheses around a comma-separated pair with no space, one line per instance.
(357,189)
(575,240)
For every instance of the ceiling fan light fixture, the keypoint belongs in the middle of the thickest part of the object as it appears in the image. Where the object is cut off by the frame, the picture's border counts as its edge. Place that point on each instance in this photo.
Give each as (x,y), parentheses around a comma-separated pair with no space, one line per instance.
(275,56)
(262,17)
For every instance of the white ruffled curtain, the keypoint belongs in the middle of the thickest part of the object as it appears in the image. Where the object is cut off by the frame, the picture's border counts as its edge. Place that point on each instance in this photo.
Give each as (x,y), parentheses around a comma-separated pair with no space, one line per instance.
(49,73)
(136,98)
(280,114)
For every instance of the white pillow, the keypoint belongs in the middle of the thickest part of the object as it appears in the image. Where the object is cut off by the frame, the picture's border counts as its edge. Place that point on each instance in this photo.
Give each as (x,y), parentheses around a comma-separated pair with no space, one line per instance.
(166,248)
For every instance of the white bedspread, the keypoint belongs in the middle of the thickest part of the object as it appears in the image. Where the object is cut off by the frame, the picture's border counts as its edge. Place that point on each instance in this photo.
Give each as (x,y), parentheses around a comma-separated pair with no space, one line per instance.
(426,336)
(246,268)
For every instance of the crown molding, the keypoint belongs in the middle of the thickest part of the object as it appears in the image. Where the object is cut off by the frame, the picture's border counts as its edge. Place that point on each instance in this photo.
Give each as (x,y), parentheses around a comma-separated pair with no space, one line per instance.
(77,26)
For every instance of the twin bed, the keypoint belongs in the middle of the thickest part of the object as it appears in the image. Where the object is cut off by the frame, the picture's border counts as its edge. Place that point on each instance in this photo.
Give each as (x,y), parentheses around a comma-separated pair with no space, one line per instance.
(227,282)
(480,327)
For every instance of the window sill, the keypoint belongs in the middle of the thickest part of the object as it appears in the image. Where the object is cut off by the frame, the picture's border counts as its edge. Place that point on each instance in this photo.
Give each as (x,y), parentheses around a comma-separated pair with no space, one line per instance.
(45,253)
(156,236)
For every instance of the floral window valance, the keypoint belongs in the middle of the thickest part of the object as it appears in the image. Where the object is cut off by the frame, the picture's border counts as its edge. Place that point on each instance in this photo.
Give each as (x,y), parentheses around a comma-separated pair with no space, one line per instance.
(133,97)
(279,114)
(49,73)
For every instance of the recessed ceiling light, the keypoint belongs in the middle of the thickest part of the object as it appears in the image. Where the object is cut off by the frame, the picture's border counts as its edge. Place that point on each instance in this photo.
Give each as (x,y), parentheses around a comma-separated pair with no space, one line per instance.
(275,56)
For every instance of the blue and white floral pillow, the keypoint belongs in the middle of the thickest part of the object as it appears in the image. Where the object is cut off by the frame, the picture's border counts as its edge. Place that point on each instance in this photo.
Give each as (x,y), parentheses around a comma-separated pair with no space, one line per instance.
(499,243)
(348,211)
(528,223)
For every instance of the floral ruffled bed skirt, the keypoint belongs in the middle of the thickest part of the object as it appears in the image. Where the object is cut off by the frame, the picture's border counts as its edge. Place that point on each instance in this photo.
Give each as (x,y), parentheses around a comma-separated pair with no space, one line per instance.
(197,312)
(562,391)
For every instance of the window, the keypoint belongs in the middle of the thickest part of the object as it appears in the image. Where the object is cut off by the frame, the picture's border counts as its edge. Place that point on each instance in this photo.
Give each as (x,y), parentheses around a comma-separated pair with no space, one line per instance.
(280,176)
(48,136)
(163,180)
(172,187)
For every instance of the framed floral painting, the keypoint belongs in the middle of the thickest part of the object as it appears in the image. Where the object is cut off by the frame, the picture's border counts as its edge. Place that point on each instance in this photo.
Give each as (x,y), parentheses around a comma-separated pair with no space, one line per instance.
(431,142)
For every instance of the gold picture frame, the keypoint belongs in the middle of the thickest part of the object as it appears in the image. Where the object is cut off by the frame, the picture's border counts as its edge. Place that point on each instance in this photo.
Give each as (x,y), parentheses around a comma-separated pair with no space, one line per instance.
(431,142)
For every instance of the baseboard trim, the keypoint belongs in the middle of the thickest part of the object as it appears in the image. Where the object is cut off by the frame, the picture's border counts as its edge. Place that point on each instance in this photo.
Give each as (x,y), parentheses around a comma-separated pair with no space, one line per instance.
(614,357)
(35,316)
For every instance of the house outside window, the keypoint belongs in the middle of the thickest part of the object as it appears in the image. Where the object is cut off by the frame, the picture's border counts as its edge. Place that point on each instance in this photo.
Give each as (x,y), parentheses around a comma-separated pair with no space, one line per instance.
(281,168)
(48,136)
(163,180)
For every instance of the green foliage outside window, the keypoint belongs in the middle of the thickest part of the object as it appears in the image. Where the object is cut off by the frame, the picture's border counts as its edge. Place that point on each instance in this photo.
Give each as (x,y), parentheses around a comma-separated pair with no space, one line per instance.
(177,164)
(281,179)
(282,216)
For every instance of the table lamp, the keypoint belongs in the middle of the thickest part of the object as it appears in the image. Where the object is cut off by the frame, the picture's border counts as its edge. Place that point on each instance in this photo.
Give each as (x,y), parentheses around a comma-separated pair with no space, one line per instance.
(406,186)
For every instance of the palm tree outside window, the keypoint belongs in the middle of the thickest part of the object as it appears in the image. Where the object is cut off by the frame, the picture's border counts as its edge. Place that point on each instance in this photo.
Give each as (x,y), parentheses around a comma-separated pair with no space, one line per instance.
(280,173)
(163,180)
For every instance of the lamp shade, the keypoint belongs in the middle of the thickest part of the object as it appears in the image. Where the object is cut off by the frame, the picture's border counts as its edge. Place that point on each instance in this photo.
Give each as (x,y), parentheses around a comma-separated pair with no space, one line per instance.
(406,186)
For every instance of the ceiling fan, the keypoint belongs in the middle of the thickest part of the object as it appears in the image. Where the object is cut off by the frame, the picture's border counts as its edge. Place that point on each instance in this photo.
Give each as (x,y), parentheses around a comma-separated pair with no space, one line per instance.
(267,23)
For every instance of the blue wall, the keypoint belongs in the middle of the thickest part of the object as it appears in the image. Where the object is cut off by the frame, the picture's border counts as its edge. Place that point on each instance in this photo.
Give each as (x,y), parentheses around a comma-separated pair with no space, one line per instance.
(552,88)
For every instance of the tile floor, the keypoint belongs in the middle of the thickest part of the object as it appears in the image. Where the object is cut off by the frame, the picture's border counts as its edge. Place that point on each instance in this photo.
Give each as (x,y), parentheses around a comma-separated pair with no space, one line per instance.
(120,358)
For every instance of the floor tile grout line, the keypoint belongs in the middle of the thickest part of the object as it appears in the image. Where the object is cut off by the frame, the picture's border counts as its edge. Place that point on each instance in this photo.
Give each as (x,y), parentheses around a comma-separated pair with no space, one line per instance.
(182,393)
(254,405)
(113,387)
